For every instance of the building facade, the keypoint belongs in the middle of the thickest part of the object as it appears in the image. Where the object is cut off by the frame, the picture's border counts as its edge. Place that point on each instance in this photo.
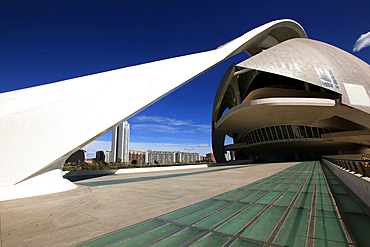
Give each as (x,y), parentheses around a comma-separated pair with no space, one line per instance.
(77,157)
(103,156)
(139,156)
(120,143)
(183,157)
(167,157)
(210,157)
(296,100)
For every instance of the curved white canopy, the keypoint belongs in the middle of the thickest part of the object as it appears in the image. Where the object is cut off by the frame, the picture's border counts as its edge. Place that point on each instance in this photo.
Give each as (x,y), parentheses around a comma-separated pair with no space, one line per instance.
(44,125)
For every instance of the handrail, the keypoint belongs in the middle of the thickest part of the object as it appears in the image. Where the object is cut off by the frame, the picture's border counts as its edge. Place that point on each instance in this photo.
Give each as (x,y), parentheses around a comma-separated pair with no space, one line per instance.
(357,166)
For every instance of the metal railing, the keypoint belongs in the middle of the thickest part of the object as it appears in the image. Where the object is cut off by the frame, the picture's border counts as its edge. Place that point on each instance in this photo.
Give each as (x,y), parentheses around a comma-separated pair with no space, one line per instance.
(357,166)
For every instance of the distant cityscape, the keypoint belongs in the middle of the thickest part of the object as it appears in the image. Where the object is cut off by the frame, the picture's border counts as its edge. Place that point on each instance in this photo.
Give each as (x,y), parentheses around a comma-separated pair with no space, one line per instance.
(120,153)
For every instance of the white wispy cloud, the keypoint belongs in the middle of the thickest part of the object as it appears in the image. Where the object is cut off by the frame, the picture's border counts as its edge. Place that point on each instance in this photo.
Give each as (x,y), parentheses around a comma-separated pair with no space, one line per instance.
(203,145)
(167,125)
(161,128)
(164,120)
(362,42)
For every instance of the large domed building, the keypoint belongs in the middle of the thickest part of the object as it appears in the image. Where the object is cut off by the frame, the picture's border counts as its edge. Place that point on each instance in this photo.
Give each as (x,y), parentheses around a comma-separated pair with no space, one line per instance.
(295,99)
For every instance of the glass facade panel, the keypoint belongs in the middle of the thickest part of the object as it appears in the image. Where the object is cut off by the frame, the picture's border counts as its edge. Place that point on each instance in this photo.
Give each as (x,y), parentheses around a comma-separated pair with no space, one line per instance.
(297,135)
(309,132)
(285,132)
(290,131)
(273,132)
(261,135)
(255,137)
(269,133)
(258,136)
(250,138)
(279,133)
(303,131)
(315,132)
(321,131)
(264,134)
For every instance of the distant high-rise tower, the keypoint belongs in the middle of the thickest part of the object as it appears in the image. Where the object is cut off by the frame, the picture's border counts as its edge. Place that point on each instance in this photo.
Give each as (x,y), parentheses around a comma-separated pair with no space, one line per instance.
(120,142)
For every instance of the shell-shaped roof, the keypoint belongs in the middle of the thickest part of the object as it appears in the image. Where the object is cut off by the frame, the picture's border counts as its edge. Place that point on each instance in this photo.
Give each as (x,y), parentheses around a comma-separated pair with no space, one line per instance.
(318,63)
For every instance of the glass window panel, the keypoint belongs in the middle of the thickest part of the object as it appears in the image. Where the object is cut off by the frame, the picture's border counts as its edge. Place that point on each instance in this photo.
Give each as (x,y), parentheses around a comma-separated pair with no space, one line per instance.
(321,131)
(261,135)
(264,134)
(249,139)
(257,136)
(290,131)
(285,131)
(303,131)
(278,130)
(253,137)
(315,132)
(269,134)
(297,135)
(273,132)
(309,132)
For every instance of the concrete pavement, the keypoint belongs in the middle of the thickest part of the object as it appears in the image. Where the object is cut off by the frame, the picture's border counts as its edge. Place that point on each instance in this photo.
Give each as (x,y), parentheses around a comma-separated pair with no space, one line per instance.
(104,204)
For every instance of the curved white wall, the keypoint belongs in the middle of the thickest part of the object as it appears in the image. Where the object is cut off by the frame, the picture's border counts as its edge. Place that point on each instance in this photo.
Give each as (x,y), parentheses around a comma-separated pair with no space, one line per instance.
(42,126)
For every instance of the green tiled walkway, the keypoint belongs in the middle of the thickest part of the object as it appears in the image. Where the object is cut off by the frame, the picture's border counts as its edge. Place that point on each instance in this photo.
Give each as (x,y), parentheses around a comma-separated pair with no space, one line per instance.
(291,208)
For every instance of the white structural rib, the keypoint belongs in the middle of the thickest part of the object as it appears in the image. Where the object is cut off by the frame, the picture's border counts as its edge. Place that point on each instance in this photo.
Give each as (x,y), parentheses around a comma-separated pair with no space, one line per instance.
(42,126)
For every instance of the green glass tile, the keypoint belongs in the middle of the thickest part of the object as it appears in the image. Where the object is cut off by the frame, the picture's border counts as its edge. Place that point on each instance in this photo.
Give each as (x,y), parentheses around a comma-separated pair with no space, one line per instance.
(282,187)
(233,225)
(267,199)
(241,195)
(328,228)
(151,236)
(181,238)
(338,189)
(360,227)
(322,188)
(227,194)
(217,218)
(304,200)
(324,201)
(279,181)
(249,185)
(269,187)
(285,199)
(244,243)
(211,239)
(333,182)
(329,243)
(289,181)
(294,187)
(308,188)
(183,211)
(294,230)
(262,228)
(202,213)
(348,204)
(259,186)
(125,233)
(254,196)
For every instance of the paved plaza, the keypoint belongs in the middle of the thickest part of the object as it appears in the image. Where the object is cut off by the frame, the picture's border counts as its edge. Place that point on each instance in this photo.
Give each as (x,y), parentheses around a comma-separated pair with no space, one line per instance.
(242,205)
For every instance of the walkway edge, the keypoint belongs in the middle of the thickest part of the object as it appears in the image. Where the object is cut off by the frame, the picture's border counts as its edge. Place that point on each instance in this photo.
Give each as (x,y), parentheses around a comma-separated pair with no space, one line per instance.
(129,170)
(359,185)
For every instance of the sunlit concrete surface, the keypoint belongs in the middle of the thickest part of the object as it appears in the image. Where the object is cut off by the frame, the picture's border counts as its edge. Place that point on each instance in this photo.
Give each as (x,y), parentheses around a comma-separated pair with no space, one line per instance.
(108,203)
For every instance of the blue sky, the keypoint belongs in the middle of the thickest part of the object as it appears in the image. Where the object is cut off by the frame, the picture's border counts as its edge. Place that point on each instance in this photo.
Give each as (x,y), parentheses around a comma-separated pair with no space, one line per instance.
(49,41)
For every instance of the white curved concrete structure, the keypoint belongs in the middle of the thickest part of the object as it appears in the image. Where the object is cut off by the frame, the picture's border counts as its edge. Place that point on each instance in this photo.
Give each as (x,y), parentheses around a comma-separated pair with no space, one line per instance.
(295,101)
(42,126)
